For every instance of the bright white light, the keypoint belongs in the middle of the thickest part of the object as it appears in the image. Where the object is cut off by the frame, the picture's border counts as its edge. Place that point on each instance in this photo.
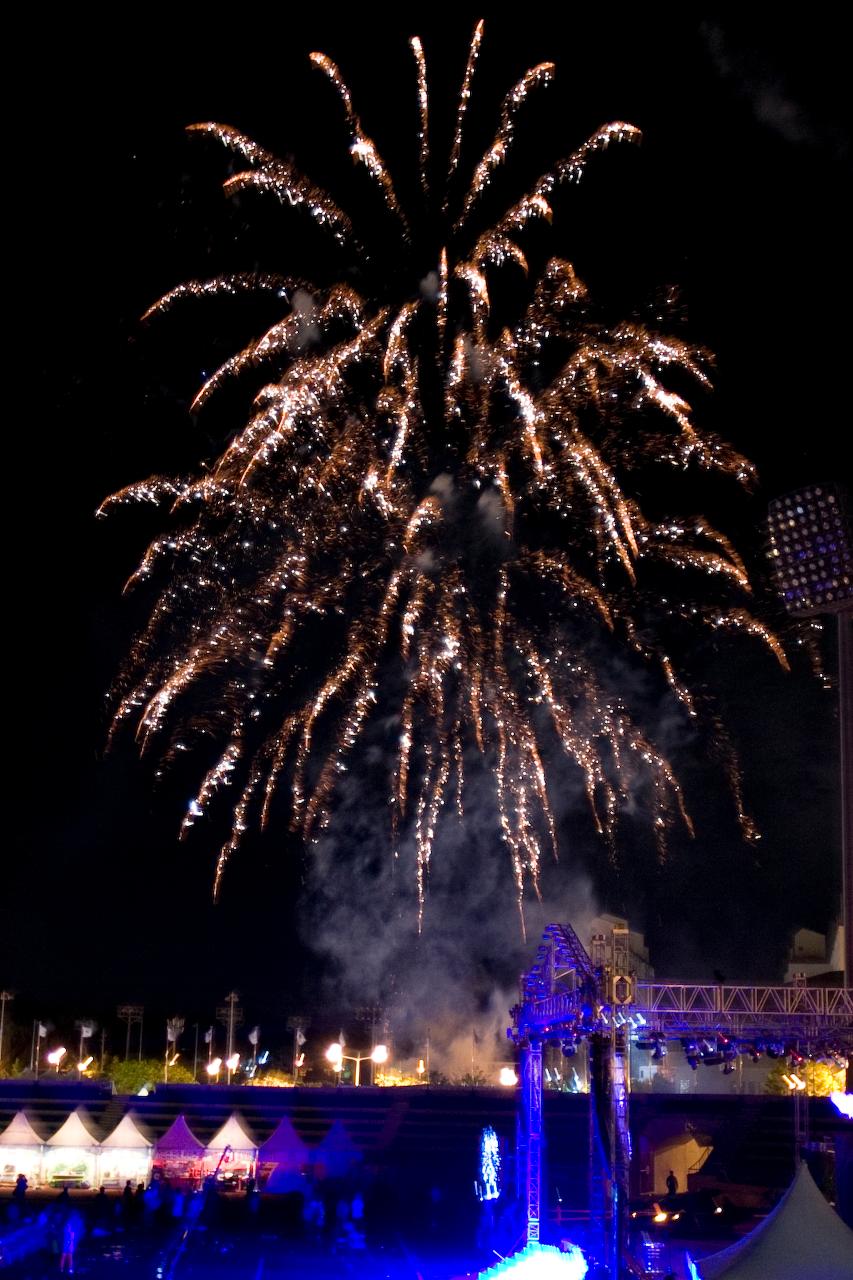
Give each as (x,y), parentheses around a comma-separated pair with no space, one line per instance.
(213,1067)
(233,1062)
(842,1102)
(421,1067)
(87,1062)
(540,1262)
(143,1092)
(380,1053)
(335,1055)
(264,1058)
(508,1077)
(55,1057)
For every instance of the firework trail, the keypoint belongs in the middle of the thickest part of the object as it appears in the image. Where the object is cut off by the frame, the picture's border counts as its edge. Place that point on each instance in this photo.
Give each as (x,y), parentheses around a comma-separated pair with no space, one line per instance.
(470,546)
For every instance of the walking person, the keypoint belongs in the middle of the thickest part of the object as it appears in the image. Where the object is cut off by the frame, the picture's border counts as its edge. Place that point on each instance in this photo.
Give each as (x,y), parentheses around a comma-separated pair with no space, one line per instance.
(72,1230)
(20,1192)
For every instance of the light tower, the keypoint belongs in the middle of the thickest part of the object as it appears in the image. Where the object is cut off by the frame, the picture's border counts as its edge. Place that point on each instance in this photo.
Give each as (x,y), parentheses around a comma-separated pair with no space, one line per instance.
(812,555)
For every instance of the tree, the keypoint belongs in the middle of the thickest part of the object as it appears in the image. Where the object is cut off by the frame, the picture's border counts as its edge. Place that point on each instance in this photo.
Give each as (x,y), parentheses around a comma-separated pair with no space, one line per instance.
(472,1080)
(822,1078)
(129,1077)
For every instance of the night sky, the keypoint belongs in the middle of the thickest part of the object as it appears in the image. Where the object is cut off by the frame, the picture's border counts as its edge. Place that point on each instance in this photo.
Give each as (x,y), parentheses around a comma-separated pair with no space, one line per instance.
(735,197)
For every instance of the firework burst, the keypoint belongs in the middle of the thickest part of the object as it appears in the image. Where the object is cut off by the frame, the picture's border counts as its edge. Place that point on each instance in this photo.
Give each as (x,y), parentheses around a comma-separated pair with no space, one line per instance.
(430,499)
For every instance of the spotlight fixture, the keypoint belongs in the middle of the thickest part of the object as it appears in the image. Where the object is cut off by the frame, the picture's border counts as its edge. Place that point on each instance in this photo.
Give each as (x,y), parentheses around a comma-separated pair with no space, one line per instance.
(811,551)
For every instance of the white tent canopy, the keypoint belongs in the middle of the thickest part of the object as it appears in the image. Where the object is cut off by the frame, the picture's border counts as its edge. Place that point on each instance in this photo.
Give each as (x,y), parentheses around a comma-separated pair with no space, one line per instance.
(284,1155)
(71,1154)
(337,1153)
(179,1139)
(802,1239)
(20,1151)
(284,1146)
(179,1154)
(234,1135)
(127,1135)
(231,1152)
(19,1132)
(75,1132)
(125,1154)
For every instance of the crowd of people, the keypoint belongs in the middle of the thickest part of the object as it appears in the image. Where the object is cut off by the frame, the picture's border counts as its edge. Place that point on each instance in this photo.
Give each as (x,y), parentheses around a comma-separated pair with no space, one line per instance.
(327,1212)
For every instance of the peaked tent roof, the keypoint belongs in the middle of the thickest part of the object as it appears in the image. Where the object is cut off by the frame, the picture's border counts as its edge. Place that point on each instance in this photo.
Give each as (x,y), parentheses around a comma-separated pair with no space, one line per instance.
(127,1135)
(179,1137)
(233,1135)
(19,1132)
(337,1139)
(75,1132)
(284,1144)
(337,1152)
(802,1239)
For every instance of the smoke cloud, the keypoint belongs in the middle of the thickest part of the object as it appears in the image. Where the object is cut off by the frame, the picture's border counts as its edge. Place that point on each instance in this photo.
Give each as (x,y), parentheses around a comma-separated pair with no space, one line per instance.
(447,990)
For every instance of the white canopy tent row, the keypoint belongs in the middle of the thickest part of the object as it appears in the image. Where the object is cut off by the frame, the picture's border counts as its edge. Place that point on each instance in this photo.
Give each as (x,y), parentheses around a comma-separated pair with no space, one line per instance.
(75,1156)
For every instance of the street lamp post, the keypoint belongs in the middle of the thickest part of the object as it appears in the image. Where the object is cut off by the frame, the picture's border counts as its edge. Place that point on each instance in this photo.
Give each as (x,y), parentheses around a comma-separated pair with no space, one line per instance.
(132,1014)
(5,997)
(336,1056)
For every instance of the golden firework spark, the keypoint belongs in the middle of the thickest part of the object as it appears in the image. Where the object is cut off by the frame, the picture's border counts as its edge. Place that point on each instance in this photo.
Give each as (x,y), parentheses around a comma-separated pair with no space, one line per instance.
(471,542)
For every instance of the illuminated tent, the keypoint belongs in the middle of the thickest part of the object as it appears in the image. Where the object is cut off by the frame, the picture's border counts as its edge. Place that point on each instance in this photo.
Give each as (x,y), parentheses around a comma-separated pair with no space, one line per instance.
(178,1155)
(802,1239)
(71,1155)
(337,1153)
(20,1151)
(282,1158)
(125,1154)
(232,1151)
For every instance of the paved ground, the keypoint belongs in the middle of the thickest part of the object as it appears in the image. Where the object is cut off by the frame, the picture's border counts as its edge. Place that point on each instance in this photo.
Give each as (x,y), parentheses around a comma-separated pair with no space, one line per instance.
(209,1256)
(232,1244)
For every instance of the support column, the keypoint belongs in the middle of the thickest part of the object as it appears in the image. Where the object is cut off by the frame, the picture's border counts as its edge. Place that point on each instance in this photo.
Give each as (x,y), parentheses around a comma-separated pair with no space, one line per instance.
(845,717)
(531,1122)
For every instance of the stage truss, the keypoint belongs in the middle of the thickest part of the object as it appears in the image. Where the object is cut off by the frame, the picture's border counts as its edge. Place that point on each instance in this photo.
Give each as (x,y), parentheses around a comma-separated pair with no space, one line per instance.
(569,996)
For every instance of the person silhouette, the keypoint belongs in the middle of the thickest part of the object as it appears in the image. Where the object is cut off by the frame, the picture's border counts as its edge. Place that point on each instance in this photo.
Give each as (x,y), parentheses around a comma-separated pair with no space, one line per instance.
(671,1183)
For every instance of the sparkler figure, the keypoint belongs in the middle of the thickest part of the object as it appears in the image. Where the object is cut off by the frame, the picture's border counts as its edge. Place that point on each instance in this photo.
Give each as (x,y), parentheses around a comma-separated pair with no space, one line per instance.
(428,498)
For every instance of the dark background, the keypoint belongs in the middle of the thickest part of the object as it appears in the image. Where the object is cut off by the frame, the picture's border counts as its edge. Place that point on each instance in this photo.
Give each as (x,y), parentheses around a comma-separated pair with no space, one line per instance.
(735,196)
